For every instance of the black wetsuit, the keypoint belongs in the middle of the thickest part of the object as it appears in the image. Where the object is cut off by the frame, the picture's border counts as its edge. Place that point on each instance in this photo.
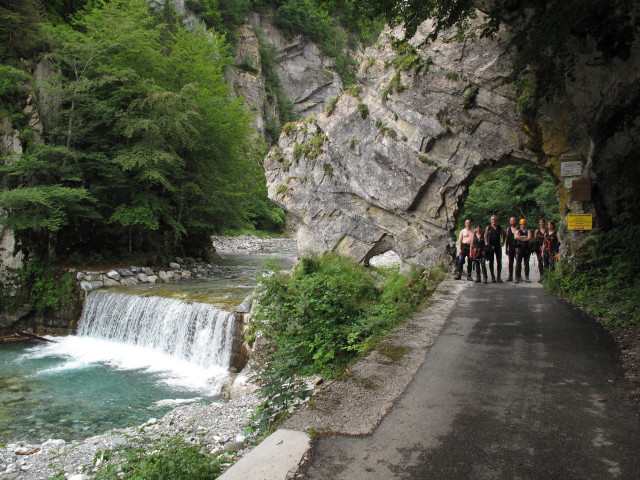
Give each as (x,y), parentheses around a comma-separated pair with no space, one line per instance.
(539,239)
(522,253)
(511,250)
(479,260)
(553,246)
(493,236)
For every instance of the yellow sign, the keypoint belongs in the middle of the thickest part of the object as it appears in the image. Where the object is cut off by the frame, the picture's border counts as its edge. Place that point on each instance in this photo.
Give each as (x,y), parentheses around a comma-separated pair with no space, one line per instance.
(580,221)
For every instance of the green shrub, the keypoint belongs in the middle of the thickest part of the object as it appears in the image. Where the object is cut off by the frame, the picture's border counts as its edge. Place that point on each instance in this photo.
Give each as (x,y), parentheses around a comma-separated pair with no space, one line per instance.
(329,309)
(166,459)
(363,110)
(601,274)
(470,96)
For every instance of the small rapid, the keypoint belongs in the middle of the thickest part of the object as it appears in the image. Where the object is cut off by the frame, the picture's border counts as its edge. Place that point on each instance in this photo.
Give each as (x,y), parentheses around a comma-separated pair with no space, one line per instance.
(196,333)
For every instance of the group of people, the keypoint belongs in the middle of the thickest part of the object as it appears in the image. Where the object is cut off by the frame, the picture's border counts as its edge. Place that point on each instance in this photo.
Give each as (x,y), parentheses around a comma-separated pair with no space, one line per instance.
(477,247)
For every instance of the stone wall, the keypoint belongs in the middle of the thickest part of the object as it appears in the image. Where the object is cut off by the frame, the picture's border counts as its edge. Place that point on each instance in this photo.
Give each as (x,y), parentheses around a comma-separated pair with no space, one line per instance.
(181,269)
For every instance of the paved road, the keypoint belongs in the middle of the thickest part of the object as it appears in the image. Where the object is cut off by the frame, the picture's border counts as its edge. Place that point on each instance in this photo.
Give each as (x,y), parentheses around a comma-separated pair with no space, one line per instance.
(518,385)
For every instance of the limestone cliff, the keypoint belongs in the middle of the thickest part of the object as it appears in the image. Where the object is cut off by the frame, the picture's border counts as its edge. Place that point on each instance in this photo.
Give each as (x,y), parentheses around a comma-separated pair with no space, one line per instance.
(303,71)
(388,166)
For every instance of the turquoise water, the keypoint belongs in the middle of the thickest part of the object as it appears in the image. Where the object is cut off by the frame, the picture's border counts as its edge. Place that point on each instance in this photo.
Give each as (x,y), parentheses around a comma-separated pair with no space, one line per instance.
(47,391)
(83,386)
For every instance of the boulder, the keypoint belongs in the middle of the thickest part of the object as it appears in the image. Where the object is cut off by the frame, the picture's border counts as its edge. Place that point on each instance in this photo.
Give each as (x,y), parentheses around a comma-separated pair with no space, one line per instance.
(88,286)
(112,274)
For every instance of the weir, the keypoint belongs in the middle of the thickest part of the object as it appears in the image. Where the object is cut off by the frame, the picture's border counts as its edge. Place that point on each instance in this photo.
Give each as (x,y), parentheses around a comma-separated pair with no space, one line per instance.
(195,332)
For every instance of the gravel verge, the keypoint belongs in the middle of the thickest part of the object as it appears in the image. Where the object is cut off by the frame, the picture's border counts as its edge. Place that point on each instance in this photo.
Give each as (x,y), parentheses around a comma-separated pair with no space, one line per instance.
(217,426)
(371,386)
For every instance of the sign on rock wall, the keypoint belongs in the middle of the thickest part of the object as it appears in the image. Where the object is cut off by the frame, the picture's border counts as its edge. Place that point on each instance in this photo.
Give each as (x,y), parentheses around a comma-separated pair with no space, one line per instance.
(580,221)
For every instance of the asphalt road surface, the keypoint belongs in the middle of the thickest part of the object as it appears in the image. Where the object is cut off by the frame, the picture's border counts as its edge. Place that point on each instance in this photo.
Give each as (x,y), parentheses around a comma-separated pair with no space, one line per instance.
(519,385)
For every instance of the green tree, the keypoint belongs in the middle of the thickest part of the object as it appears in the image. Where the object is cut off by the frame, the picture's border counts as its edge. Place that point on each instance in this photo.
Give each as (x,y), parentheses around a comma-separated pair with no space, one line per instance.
(144,145)
(511,191)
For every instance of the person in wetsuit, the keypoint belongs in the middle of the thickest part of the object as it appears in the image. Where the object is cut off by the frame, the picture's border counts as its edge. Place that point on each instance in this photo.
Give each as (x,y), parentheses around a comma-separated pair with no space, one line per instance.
(539,236)
(464,239)
(510,245)
(494,237)
(522,239)
(478,254)
(551,246)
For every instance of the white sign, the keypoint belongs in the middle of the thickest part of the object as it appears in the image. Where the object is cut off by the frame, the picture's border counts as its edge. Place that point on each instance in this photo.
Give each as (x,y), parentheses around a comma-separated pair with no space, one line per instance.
(570,169)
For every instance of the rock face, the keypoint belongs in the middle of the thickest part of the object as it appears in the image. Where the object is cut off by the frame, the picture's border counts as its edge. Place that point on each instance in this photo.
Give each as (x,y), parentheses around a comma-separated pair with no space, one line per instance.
(388,166)
(304,72)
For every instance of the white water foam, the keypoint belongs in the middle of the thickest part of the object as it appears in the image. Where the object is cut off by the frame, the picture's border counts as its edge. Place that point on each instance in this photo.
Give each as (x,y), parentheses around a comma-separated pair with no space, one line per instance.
(173,402)
(184,345)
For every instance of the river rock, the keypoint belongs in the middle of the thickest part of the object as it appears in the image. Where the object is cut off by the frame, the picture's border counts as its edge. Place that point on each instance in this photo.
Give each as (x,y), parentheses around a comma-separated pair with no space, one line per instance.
(174,266)
(148,271)
(90,286)
(186,274)
(108,282)
(135,270)
(142,277)
(152,279)
(112,274)
(125,272)
(165,277)
(179,259)
(129,281)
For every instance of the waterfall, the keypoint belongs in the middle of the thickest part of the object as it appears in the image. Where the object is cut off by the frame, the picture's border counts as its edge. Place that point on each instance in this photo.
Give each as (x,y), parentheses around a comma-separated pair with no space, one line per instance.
(197,333)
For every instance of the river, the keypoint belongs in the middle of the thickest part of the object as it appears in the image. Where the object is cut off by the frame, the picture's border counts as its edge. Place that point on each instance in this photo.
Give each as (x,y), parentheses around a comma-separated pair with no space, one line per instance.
(86,384)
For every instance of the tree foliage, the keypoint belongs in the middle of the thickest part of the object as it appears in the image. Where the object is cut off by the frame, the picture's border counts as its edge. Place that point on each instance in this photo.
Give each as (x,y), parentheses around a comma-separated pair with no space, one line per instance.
(511,191)
(143,145)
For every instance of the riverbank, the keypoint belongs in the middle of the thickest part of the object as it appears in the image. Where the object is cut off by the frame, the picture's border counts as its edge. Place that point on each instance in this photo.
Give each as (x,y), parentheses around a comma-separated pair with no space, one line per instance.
(217,426)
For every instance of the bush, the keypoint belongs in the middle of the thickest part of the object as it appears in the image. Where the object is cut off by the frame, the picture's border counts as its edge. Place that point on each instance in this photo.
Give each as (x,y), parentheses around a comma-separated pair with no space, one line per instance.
(601,275)
(166,459)
(325,312)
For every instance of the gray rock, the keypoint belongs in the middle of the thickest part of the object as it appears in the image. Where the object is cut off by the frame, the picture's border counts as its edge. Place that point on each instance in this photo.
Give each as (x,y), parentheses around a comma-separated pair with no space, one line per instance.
(111,283)
(90,286)
(165,277)
(148,271)
(112,274)
(125,272)
(135,270)
(186,274)
(179,259)
(129,281)
(152,279)
(142,277)
(174,266)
